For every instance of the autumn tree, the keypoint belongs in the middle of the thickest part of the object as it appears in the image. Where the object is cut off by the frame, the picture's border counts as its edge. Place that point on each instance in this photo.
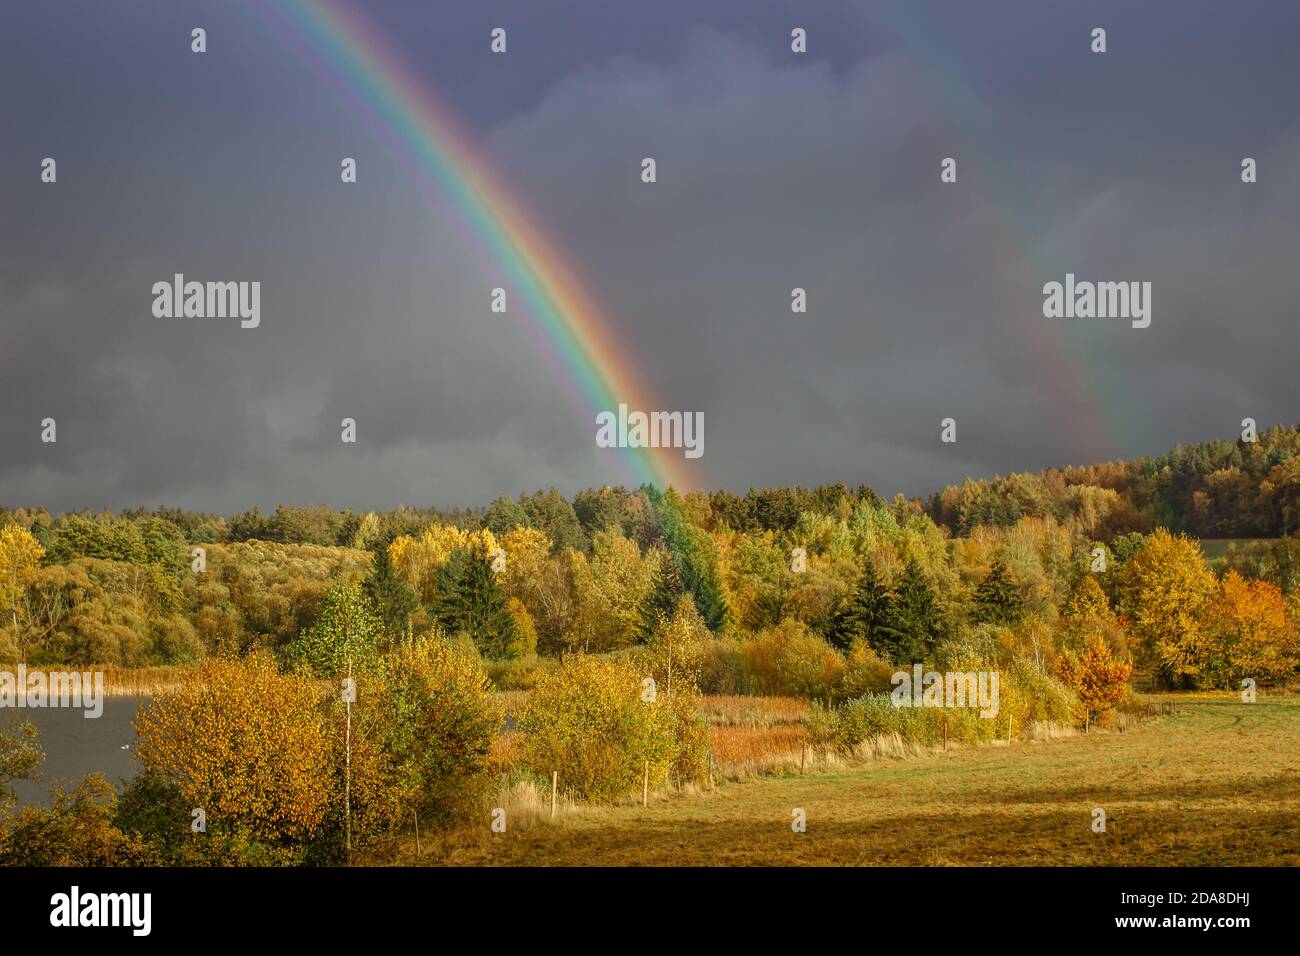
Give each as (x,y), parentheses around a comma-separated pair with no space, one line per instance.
(346,634)
(757,577)
(1087,612)
(1165,588)
(523,633)
(440,718)
(20,556)
(610,590)
(1099,680)
(420,558)
(20,756)
(673,651)
(1253,634)
(588,721)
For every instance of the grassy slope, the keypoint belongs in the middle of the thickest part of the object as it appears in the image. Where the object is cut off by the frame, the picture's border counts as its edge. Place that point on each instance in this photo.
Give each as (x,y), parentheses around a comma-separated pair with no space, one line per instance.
(1216,783)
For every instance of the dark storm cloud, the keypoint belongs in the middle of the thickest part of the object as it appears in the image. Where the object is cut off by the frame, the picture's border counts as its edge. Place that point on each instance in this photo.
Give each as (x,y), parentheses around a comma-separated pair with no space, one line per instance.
(775,171)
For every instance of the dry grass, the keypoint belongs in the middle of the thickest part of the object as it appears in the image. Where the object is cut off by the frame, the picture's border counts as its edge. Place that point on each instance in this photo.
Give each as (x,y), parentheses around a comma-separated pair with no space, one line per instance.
(513,701)
(736,711)
(124,681)
(749,751)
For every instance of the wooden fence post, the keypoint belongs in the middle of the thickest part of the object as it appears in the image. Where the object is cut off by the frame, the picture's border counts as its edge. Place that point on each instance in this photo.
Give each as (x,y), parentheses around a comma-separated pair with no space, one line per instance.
(645,786)
(555,783)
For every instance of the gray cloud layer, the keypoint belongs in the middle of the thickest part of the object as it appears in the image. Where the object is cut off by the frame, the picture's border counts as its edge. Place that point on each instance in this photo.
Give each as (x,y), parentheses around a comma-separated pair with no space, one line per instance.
(774,170)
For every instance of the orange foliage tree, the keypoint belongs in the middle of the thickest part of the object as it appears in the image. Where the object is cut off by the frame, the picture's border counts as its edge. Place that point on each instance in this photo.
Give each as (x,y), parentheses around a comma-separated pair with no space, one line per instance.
(1098,679)
(1254,635)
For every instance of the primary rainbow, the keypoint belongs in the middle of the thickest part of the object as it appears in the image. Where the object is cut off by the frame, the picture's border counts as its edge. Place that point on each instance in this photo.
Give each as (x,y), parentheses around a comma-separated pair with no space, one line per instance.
(571,325)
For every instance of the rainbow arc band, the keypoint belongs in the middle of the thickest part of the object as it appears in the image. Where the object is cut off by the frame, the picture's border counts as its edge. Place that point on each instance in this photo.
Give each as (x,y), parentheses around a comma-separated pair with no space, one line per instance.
(573,329)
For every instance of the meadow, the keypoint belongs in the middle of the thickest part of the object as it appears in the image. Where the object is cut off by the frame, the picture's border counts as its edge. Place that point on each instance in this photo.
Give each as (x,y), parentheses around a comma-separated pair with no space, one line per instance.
(1215,783)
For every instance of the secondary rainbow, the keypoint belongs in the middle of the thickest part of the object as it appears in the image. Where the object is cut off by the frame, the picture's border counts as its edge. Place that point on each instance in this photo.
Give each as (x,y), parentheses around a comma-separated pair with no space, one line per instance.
(571,325)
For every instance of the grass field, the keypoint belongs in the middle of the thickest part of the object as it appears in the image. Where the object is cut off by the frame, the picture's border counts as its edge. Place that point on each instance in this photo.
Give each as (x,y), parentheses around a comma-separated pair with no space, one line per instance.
(1216,783)
(1216,549)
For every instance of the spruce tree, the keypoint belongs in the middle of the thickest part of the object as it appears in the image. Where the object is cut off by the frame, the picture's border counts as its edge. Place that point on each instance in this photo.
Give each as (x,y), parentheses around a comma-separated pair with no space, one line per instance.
(393,598)
(504,515)
(865,613)
(997,600)
(470,601)
(911,628)
(661,600)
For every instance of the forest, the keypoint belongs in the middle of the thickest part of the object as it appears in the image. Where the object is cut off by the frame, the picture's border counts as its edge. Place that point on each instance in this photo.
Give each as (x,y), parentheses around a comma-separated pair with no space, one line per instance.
(523,581)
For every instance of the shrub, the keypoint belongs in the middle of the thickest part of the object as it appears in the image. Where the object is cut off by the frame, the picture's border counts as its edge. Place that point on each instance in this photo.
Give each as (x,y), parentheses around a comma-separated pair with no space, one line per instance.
(865,672)
(245,743)
(588,721)
(1030,696)
(520,673)
(77,830)
(790,659)
(1099,681)
(690,737)
(724,667)
(154,811)
(439,721)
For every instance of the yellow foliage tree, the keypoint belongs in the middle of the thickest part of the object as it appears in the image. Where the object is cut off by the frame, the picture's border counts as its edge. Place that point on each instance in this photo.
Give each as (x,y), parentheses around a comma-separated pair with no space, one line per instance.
(20,557)
(1166,588)
(1087,612)
(419,559)
(527,550)
(610,589)
(523,643)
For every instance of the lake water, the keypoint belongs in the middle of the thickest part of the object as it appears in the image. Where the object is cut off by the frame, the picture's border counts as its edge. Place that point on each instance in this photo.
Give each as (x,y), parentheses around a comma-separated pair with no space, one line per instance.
(75,745)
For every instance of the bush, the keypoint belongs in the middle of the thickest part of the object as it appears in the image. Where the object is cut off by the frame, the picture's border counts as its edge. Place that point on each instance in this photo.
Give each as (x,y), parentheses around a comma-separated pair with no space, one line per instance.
(791,660)
(724,667)
(153,811)
(865,672)
(588,721)
(520,673)
(77,830)
(1024,693)
(439,719)
(1034,697)
(244,743)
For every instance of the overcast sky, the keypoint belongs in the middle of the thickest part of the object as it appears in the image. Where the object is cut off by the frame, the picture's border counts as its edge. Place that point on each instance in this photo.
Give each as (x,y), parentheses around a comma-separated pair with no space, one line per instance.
(775,170)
